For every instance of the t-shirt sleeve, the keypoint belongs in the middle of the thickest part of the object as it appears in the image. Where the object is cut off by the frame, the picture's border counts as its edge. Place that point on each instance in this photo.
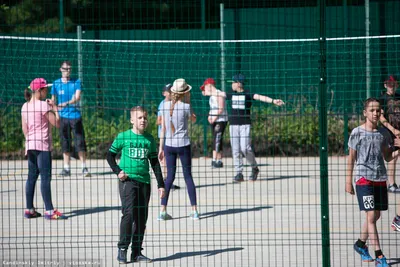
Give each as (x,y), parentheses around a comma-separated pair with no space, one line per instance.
(53,88)
(117,145)
(250,96)
(23,111)
(354,139)
(78,85)
(45,107)
(160,107)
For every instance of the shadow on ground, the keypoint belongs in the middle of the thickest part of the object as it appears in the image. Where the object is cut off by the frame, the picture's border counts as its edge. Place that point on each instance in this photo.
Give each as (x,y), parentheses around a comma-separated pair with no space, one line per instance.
(230,211)
(8,191)
(206,253)
(88,211)
(209,185)
(284,177)
(393,261)
(101,173)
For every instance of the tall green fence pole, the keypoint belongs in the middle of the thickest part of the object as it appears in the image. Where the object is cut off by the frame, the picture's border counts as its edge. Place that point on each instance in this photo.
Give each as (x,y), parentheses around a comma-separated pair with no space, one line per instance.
(345,100)
(323,137)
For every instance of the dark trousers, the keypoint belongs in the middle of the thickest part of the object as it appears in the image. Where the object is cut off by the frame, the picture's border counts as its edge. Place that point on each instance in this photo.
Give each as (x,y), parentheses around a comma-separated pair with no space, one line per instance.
(218,129)
(185,155)
(135,197)
(39,162)
(75,126)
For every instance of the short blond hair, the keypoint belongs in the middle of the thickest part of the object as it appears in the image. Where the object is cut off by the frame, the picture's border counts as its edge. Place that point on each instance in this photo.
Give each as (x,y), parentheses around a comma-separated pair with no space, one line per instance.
(138,108)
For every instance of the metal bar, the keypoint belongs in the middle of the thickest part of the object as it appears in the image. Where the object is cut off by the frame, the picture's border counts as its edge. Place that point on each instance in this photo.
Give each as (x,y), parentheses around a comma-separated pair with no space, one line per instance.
(323,134)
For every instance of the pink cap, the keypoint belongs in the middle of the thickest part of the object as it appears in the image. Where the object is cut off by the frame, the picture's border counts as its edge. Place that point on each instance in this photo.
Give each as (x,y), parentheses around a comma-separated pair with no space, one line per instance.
(207,81)
(38,83)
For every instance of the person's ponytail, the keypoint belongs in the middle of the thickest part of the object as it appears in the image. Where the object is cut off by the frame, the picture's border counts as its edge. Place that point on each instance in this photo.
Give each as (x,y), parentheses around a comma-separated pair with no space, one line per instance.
(174,98)
(28,94)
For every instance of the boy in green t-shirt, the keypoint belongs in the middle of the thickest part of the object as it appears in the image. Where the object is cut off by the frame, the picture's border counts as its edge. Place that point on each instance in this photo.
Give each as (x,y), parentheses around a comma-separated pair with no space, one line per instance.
(137,148)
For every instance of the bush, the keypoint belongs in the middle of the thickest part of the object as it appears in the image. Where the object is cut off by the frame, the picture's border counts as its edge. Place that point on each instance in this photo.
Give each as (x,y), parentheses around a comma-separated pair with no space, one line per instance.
(275,132)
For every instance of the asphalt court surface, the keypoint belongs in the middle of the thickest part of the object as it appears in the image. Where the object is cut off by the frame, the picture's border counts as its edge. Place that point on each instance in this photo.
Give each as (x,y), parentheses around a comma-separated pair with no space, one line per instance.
(275,221)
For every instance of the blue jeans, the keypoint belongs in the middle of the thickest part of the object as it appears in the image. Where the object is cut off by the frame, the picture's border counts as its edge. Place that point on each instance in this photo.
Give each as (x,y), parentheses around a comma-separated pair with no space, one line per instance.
(185,155)
(39,162)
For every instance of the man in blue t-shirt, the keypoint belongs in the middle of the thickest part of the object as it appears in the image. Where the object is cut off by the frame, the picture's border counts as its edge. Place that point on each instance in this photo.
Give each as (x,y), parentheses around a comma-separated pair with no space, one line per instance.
(66,92)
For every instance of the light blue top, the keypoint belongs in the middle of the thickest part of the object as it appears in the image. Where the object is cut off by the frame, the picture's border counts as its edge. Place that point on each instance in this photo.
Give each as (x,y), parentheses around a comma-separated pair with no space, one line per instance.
(180,119)
(159,113)
(64,93)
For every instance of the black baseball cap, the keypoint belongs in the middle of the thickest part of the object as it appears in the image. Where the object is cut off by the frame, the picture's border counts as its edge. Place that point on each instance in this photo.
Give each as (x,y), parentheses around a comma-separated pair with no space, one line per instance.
(167,87)
(238,78)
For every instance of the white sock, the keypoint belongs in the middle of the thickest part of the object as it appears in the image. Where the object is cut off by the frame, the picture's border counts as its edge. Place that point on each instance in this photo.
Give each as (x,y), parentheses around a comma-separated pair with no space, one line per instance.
(214,159)
(49,212)
(83,165)
(67,167)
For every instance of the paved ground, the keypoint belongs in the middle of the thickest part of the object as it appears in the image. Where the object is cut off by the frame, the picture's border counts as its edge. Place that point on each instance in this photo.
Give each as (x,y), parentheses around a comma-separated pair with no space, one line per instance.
(272,222)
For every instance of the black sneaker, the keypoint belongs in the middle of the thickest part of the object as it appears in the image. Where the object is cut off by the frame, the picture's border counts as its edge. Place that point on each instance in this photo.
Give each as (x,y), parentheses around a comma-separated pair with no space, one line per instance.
(238,178)
(254,173)
(31,215)
(213,164)
(218,164)
(393,188)
(65,173)
(175,187)
(122,255)
(85,172)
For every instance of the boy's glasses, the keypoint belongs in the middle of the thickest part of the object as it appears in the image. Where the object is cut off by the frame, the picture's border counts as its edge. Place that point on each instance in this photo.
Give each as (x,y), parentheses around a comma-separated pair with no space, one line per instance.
(66,69)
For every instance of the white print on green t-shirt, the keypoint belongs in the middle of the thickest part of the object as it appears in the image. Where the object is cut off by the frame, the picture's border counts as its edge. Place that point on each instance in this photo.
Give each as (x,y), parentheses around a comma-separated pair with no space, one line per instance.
(138,153)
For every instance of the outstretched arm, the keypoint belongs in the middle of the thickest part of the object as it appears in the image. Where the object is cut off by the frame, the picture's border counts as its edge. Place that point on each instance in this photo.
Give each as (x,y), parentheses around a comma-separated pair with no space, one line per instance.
(267,99)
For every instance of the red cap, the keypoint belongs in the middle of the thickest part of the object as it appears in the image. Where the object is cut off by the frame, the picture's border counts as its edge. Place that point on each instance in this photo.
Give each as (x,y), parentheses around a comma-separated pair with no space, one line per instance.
(207,81)
(391,81)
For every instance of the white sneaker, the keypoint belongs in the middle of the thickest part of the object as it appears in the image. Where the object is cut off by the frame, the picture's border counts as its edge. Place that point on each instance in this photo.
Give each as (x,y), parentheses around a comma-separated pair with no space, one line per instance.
(164,216)
(194,215)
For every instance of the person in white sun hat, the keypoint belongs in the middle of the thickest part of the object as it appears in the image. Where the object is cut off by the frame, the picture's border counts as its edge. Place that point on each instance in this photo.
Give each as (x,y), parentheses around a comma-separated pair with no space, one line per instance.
(175,142)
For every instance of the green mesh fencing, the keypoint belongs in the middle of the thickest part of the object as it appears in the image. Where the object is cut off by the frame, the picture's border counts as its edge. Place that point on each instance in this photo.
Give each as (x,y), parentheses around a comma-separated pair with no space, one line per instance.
(125,52)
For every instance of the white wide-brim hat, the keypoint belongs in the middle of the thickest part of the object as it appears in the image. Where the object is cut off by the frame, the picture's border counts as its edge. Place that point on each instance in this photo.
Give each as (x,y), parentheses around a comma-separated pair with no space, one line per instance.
(180,86)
